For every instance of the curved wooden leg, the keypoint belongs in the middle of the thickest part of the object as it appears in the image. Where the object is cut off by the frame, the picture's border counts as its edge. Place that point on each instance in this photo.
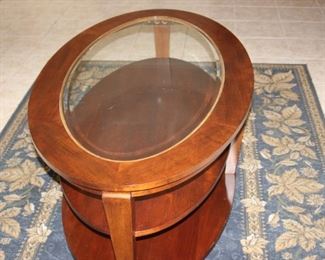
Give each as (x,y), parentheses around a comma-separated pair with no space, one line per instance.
(234,153)
(231,163)
(119,215)
(162,35)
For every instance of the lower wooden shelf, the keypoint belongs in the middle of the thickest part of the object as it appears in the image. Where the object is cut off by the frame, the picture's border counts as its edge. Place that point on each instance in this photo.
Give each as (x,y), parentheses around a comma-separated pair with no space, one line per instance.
(191,238)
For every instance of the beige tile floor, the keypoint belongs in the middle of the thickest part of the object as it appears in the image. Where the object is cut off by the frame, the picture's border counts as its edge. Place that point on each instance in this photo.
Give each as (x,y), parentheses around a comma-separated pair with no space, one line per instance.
(275,31)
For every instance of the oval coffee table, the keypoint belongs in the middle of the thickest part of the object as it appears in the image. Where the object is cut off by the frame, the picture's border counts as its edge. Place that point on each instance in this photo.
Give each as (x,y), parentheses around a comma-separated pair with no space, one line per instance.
(142,115)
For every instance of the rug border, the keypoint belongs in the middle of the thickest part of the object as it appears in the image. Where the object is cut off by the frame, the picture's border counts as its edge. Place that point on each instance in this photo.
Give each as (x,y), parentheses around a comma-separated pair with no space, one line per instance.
(316,119)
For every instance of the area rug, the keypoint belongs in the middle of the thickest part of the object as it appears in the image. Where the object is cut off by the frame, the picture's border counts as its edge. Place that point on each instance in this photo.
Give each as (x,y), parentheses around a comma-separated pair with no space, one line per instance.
(278,210)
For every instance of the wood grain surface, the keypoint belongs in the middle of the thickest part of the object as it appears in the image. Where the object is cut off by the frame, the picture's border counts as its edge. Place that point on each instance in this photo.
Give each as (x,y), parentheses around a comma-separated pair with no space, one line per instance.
(185,160)
(119,214)
(191,238)
(174,203)
(153,212)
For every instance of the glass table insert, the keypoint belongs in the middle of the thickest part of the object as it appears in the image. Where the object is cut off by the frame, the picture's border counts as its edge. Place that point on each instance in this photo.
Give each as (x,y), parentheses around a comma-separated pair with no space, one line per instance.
(141,89)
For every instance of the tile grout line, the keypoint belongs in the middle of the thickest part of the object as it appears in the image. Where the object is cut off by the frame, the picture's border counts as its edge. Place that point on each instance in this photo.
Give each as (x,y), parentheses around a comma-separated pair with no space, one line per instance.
(283,30)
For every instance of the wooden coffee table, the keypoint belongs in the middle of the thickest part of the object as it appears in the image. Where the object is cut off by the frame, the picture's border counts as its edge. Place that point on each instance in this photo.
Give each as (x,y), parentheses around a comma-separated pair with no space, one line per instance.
(142,115)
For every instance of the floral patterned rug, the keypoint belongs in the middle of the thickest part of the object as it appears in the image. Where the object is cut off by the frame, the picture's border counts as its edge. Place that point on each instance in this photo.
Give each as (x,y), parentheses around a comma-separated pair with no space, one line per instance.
(278,212)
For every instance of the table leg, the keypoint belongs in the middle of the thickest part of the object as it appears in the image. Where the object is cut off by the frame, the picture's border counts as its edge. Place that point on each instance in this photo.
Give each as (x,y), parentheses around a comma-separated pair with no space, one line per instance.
(231,164)
(234,153)
(162,35)
(119,214)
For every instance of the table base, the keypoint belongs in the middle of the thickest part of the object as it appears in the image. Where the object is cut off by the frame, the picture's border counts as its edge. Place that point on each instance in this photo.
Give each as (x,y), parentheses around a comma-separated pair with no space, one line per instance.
(191,238)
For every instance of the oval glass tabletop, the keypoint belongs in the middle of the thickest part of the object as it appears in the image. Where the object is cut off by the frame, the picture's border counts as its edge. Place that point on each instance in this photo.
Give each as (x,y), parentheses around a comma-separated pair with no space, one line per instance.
(142,89)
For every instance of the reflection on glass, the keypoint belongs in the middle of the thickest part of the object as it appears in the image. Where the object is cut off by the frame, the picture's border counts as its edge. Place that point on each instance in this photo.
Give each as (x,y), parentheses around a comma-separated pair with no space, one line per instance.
(142,89)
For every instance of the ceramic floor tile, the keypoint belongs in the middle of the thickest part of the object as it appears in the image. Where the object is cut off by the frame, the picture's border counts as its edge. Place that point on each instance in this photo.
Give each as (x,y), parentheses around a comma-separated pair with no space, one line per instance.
(222,2)
(316,68)
(6,110)
(230,25)
(320,90)
(31,26)
(93,12)
(263,3)
(301,14)
(69,27)
(17,45)
(8,68)
(256,13)
(304,30)
(19,3)
(321,2)
(13,59)
(295,3)
(255,3)
(47,47)
(32,18)
(260,29)
(27,11)
(323,12)
(265,48)
(5,21)
(11,98)
(218,13)
(307,48)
